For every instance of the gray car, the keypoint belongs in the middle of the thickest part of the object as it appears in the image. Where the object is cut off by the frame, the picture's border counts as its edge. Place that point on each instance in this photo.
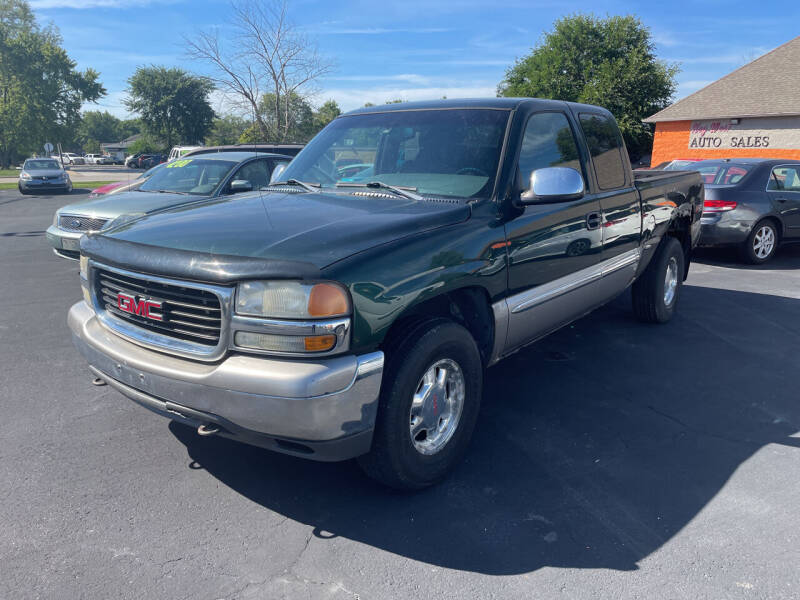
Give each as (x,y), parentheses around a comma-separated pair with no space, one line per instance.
(43,175)
(179,182)
(750,203)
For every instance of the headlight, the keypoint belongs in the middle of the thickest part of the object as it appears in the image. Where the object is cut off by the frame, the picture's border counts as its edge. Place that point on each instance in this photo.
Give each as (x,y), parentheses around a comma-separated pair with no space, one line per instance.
(291,300)
(25,176)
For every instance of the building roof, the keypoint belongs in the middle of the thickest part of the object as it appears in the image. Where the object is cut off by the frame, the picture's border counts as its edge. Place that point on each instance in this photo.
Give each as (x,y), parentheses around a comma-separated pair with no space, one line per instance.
(766,87)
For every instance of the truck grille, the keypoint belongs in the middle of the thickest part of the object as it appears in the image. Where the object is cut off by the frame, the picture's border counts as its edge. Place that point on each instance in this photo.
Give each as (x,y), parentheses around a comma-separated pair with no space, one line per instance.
(79,223)
(187,313)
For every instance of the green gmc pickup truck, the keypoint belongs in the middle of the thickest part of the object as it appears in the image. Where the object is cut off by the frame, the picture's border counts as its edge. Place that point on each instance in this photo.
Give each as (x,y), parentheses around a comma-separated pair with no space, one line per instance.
(349,308)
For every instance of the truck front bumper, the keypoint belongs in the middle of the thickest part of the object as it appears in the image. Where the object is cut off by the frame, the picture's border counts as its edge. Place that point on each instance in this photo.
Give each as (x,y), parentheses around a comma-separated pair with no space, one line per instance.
(320,409)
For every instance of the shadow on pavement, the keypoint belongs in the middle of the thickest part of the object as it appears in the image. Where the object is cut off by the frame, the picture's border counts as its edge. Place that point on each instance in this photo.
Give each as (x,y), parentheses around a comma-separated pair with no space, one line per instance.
(594,447)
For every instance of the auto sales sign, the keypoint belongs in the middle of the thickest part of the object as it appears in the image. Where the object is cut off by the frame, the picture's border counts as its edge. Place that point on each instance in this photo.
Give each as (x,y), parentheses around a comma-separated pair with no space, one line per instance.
(781,133)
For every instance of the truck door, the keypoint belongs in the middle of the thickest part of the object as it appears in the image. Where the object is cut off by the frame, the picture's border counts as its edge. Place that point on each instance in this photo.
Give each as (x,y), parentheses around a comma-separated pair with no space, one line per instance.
(619,199)
(554,249)
(783,190)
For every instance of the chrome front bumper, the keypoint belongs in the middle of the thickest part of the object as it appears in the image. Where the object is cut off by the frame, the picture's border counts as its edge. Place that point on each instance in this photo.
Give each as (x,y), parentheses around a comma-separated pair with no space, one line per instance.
(322,409)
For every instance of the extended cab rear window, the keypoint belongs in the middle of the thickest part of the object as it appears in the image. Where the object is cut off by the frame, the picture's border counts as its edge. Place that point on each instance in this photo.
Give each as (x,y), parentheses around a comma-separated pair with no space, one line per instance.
(605,146)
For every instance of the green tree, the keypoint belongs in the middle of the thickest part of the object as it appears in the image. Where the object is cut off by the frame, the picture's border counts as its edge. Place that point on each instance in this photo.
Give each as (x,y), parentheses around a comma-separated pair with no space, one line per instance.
(147,145)
(226,130)
(173,104)
(102,126)
(271,129)
(324,115)
(41,91)
(606,61)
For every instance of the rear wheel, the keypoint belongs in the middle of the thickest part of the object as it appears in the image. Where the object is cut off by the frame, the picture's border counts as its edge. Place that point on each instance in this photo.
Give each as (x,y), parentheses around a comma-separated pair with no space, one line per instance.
(656,292)
(429,404)
(761,244)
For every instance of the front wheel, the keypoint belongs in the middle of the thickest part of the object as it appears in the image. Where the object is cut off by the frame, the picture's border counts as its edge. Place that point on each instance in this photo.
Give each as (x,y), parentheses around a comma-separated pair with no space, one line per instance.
(656,292)
(430,397)
(761,244)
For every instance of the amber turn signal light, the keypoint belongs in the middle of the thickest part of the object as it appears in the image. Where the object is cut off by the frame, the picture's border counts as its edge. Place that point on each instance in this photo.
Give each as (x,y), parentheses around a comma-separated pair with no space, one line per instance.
(327,300)
(320,343)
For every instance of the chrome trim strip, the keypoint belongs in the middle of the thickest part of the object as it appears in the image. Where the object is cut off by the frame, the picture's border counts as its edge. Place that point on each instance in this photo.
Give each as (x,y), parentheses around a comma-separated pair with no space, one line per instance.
(156,341)
(543,293)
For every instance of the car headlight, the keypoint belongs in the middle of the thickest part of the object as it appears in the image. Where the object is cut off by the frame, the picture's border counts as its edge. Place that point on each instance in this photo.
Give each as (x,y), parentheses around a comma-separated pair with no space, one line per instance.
(25,176)
(315,316)
(292,300)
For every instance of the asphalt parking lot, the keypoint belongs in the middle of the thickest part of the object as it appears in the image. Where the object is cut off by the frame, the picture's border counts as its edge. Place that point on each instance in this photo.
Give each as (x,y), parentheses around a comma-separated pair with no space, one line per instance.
(611,460)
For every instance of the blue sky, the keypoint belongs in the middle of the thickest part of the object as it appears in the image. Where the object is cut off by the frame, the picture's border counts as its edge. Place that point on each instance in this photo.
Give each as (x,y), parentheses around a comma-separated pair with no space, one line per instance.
(414,49)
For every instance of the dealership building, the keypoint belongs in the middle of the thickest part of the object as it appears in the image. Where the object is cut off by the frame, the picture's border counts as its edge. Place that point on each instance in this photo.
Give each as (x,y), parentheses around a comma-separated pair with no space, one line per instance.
(751,112)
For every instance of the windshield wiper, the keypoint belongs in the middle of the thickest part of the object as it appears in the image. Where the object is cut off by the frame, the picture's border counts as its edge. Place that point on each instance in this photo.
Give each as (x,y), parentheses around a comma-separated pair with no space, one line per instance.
(406,192)
(309,187)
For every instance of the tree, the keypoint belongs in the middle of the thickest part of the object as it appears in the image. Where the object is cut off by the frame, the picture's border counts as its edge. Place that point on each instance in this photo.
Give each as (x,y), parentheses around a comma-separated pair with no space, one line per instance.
(173,105)
(325,114)
(102,126)
(41,91)
(610,62)
(226,130)
(267,58)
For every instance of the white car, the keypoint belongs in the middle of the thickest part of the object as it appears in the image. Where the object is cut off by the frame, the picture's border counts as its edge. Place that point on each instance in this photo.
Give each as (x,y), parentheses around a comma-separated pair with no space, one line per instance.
(179,151)
(68,158)
(97,159)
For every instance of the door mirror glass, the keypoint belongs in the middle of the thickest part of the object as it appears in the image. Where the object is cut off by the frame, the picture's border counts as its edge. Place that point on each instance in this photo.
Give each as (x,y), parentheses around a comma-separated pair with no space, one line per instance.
(278,171)
(553,184)
(241,185)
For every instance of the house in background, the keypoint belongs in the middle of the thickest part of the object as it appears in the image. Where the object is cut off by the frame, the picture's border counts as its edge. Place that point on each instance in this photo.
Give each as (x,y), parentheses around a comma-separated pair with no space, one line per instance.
(118,150)
(752,112)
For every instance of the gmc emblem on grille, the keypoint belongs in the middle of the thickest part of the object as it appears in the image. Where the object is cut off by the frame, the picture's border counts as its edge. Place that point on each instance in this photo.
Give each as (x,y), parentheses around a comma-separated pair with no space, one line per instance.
(142,307)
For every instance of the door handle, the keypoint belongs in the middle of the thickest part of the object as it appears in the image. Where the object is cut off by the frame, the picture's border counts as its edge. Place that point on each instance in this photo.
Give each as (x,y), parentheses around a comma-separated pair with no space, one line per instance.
(593,220)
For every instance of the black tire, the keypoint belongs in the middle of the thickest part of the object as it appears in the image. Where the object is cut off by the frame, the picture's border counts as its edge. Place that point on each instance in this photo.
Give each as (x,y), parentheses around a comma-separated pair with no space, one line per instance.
(650,302)
(21,191)
(394,459)
(749,251)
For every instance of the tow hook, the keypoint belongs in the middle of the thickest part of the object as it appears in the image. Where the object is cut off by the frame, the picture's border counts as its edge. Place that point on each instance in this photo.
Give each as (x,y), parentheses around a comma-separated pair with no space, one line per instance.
(207,429)
(98,381)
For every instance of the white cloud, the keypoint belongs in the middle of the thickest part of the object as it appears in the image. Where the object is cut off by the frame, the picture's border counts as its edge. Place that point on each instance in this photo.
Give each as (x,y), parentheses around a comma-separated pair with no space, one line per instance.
(350,99)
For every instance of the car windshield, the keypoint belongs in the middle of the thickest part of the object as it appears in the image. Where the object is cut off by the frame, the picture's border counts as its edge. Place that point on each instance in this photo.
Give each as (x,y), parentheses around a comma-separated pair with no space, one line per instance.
(438,152)
(189,176)
(40,165)
(723,174)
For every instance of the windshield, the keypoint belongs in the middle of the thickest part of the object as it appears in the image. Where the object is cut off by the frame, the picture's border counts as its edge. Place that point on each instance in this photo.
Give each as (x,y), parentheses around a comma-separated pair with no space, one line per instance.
(437,152)
(35,165)
(189,176)
(723,174)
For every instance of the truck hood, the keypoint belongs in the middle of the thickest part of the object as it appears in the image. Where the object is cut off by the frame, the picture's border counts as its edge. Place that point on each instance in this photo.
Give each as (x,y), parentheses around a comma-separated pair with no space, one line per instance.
(114,205)
(316,228)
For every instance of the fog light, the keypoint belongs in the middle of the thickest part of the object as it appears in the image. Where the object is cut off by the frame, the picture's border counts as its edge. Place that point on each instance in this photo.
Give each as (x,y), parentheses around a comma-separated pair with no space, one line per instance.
(284,343)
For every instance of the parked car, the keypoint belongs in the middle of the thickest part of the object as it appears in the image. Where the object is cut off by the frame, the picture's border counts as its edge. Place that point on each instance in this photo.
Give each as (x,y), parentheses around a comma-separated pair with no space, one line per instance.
(132,161)
(123,186)
(97,159)
(752,204)
(69,158)
(43,174)
(180,151)
(290,150)
(172,184)
(331,320)
(148,161)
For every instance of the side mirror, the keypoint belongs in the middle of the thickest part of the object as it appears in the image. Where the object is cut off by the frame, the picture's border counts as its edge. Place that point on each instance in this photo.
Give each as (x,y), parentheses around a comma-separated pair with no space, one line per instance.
(278,171)
(553,184)
(241,185)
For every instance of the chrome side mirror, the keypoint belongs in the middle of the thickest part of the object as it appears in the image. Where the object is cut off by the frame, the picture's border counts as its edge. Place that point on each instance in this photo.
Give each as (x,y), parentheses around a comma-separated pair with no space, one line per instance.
(278,171)
(553,184)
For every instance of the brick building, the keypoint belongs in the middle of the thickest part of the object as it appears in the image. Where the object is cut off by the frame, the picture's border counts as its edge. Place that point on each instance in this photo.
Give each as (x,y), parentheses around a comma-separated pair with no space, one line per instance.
(752,112)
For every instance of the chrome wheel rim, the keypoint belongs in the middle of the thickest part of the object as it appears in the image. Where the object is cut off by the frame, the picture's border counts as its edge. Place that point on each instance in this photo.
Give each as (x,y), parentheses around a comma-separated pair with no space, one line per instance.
(671,281)
(764,241)
(436,407)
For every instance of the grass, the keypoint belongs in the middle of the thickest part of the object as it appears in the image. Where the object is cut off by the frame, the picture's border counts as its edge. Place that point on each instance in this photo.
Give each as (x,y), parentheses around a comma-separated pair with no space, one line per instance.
(78,185)
(9,173)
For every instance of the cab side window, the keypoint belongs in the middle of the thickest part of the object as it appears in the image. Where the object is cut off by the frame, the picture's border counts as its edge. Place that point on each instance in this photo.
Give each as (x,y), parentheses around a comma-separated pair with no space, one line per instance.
(548,142)
(605,146)
(785,178)
(256,172)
